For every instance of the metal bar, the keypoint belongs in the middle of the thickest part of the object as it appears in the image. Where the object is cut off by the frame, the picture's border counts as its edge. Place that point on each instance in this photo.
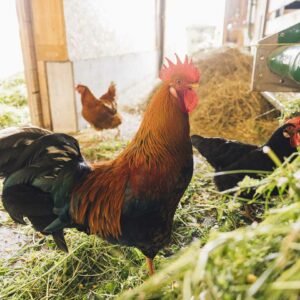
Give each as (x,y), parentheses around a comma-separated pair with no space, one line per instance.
(273,100)
(285,61)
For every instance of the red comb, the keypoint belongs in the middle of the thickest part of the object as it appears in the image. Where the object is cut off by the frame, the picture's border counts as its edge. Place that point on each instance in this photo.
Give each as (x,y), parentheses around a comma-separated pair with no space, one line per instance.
(185,69)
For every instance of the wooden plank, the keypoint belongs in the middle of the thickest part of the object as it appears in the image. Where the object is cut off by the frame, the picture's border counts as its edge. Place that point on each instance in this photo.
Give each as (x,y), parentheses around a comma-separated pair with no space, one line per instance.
(235,22)
(23,10)
(49,30)
(260,19)
(35,108)
(44,95)
(62,95)
(160,29)
(32,81)
(29,58)
(285,21)
(231,10)
(27,38)
(30,69)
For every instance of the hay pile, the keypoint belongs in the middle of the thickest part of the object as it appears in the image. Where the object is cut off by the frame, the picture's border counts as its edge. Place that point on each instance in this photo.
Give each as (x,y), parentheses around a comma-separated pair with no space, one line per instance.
(227,107)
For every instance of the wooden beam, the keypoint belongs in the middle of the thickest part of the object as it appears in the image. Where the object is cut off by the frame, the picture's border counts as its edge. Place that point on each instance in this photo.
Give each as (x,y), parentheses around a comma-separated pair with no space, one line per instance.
(235,22)
(260,19)
(45,102)
(30,63)
(160,31)
(49,30)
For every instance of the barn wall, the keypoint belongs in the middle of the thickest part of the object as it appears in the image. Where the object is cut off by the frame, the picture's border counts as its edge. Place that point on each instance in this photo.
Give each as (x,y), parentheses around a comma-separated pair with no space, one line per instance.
(97,28)
(107,42)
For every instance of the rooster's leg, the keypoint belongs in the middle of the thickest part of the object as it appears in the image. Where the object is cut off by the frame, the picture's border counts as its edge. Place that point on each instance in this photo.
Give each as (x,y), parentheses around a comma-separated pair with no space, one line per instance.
(250,213)
(118,133)
(150,265)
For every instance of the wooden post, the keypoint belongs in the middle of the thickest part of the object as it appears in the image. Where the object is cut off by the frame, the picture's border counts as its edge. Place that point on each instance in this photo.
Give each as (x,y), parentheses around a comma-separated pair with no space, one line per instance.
(235,20)
(49,30)
(44,93)
(43,39)
(161,30)
(30,62)
(262,9)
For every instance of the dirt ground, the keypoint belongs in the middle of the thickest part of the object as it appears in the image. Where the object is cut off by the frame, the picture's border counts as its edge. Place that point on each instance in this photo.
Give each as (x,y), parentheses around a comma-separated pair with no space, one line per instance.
(11,239)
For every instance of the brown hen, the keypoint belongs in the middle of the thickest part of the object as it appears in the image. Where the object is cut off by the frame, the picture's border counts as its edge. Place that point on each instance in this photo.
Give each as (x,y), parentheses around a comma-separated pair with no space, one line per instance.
(100,113)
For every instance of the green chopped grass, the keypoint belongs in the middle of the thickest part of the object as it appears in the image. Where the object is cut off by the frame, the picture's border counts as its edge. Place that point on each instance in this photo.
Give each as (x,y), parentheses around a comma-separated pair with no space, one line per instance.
(8,119)
(256,262)
(215,253)
(260,261)
(39,271)
(13,102)
(291,108)
(94,268)
(97,151)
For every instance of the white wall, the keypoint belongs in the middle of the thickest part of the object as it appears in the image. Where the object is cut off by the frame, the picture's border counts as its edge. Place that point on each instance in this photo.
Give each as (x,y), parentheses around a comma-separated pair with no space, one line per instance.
(11,61)
(97,28)
(182,14)
(112,40)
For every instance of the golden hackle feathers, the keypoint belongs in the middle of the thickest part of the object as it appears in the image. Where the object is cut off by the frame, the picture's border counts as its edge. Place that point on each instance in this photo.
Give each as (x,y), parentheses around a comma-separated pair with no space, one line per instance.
(101,199)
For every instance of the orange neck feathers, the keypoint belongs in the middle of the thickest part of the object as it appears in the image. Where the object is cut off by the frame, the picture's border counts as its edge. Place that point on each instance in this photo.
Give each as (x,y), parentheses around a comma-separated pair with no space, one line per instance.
(150,164)
(163,132)
(87,97)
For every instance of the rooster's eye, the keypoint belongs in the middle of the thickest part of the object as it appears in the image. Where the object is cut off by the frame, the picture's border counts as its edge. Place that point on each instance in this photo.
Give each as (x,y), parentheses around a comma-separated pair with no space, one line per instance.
(289,132)
(178,81)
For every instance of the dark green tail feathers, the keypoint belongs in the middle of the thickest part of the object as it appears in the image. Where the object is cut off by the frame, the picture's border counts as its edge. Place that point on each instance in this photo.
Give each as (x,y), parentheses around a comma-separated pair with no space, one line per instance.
(40,170)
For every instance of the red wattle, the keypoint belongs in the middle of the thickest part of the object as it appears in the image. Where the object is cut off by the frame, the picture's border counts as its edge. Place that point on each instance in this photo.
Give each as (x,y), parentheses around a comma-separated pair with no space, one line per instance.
(190,99)
(295,141)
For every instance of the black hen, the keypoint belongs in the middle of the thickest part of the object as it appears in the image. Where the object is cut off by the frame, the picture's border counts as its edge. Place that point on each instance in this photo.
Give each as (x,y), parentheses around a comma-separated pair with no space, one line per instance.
(35,164)
(225,155)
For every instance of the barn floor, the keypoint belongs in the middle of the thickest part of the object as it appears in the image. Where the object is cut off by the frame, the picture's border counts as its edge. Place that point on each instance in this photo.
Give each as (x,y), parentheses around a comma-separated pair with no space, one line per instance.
(33,268)
(91,264)
(20,246)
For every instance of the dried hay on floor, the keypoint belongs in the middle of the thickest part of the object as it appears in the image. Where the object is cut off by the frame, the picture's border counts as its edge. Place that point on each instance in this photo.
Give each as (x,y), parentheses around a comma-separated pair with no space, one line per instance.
(227,107)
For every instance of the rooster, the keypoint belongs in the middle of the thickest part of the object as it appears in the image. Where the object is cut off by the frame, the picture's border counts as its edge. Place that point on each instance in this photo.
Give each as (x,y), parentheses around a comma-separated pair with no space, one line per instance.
(100,113)
(130,200)
(225,155)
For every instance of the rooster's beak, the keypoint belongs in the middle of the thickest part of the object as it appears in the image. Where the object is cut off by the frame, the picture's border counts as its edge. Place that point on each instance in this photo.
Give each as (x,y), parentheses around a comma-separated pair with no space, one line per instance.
(194,85)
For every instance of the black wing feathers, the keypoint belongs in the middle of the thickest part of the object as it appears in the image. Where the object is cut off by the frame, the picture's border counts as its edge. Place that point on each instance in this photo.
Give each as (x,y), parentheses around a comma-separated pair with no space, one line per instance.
(40,169)
(220,152)
(13,143)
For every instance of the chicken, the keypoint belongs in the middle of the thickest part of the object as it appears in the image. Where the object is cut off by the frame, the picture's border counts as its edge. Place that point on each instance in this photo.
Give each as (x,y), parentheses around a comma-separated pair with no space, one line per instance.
(102,113)
(130,200)
(225,155)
